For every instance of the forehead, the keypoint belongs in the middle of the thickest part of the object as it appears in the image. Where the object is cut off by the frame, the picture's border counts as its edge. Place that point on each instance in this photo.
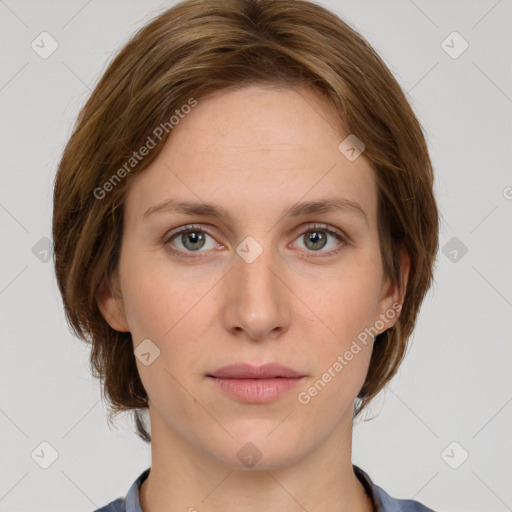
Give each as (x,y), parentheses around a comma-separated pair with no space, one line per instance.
(255,146)
(256,118)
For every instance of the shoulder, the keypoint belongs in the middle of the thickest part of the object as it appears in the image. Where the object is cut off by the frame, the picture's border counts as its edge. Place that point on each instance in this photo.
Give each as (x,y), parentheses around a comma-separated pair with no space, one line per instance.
(130,503)
(390,504)
(118,505)
(382,501)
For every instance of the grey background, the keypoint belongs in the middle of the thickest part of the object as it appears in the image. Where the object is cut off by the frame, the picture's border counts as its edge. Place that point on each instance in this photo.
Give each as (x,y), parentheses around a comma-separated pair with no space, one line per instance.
(455,384)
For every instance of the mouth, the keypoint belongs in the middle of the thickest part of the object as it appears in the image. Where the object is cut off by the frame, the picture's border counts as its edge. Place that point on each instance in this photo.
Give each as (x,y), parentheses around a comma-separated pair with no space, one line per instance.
(255,384)
(247,371)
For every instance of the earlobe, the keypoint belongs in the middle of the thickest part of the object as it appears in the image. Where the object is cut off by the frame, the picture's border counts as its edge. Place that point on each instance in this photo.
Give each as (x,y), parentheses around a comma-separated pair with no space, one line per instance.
(110,303)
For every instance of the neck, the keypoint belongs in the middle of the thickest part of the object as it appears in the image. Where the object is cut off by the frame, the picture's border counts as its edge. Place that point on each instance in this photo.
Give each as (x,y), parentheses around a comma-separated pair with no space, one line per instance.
(185,478)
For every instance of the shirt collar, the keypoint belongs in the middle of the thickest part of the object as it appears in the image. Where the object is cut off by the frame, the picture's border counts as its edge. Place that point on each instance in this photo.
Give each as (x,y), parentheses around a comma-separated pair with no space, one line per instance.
(132,502)
(369,487)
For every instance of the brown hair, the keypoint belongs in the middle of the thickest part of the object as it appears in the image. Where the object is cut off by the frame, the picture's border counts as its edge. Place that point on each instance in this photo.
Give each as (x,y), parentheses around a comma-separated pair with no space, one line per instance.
(196,47)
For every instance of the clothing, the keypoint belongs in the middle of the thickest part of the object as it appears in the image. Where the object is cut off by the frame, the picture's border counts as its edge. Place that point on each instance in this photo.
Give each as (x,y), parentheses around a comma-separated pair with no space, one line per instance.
(382,501)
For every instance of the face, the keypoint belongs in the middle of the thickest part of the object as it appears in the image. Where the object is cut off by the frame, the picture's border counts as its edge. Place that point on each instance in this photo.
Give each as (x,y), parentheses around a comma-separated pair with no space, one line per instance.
(266,282)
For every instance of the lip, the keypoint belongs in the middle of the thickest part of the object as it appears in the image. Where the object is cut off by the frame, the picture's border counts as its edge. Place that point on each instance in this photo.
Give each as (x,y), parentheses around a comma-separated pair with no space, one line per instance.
(256,384)
(247,371)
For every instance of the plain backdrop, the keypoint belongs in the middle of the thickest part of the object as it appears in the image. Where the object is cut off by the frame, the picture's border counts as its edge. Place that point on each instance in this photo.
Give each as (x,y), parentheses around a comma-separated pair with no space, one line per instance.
(440,429)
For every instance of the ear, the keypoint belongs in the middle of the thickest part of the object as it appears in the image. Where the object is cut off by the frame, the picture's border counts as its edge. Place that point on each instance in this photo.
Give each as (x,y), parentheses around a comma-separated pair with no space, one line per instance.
(110,303)
(391,295)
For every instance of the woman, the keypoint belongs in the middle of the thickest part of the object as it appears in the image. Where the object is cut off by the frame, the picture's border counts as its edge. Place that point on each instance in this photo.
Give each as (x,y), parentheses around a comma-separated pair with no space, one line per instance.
(244,230)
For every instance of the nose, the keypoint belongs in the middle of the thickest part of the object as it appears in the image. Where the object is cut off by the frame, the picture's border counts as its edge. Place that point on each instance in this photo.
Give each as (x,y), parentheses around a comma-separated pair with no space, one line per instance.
(257,300)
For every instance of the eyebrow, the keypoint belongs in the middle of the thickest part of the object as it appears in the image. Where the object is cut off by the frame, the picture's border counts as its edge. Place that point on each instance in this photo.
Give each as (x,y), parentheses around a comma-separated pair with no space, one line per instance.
(294,211)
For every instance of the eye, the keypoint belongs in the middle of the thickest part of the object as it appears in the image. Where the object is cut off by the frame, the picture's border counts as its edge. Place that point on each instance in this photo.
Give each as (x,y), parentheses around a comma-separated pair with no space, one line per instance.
(317,237)
(190,239)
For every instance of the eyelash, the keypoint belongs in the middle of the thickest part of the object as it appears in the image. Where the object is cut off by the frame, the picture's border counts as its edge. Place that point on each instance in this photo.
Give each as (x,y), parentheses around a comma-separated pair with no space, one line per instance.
(193,228)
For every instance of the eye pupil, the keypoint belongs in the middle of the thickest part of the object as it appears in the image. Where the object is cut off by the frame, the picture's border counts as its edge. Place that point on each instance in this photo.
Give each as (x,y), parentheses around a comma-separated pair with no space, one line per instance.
(317,238)
(193,237)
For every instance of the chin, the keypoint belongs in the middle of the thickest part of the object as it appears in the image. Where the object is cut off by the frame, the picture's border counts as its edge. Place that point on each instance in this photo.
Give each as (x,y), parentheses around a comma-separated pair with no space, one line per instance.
(259,451)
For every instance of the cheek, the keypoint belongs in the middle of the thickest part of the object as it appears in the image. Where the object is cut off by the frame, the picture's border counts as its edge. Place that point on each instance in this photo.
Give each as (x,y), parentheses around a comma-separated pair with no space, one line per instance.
(147,310)
(341,369)
(345,302)
(153,300)
(162,305)
(346,306)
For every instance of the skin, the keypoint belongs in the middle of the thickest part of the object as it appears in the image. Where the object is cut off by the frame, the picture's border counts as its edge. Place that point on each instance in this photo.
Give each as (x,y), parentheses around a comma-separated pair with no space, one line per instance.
(254,151)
